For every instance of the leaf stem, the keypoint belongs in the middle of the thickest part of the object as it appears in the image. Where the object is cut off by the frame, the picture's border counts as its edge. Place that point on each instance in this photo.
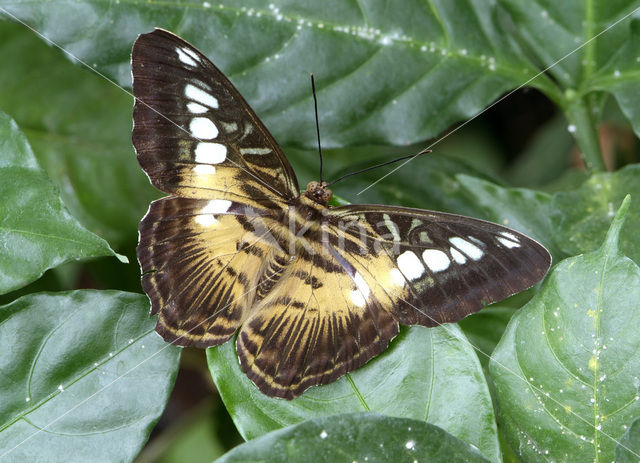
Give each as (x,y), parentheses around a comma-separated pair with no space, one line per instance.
(584,129)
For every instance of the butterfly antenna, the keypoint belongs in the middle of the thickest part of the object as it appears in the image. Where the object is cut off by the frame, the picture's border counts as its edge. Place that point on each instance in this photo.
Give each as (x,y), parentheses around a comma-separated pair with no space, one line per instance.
(402,158)
(315,107)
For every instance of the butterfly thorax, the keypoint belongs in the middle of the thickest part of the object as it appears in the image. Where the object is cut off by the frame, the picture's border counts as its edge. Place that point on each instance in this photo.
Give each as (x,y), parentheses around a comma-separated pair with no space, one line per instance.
(307,212)
(303,219)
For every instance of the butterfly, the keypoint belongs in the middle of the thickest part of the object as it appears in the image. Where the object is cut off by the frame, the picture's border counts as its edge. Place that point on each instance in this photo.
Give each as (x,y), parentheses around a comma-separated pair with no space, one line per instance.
(313,291)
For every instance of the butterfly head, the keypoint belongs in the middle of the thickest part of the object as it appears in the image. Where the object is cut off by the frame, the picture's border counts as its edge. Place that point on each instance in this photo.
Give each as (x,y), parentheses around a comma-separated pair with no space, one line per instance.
(319,192)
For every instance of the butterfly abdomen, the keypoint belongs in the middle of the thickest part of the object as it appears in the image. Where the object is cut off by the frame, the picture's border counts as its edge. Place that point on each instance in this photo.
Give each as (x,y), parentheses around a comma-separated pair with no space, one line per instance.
(271,275)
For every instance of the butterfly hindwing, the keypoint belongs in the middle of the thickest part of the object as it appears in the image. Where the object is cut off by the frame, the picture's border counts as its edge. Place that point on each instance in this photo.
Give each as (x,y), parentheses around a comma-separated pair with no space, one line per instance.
(194,134)
(201,261)
(318,322)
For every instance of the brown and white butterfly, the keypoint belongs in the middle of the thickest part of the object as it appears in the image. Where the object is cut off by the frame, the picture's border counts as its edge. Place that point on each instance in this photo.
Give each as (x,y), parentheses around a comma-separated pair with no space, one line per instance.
(315,291)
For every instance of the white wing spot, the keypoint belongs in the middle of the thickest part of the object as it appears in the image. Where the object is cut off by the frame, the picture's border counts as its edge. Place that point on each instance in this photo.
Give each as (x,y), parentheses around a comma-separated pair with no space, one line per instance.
(392,227)
(358,299)
(436,260)
(361,284)
(359,296)
(424,237)
(508,243)
(509,240)
(185,58)
(207,220)
(197,108)
(410,265)
(193,54)
(216,206)
(475,240)
(471,250)
(510,236)
(397,277)
(248,128)
(203,128)
(458,257)
(204,169)
(200,96)
(229,126)
(210,153)
(244,151)
(206,215)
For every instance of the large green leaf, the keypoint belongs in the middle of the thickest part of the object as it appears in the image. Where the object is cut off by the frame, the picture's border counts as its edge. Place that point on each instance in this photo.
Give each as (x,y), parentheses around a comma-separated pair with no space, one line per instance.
(519,208)
(581,217)
(566,370)
(84,376)
(429,374)
(356,437)
(80,128)
(628,449)
(36,230)
(428,182)
(384,73)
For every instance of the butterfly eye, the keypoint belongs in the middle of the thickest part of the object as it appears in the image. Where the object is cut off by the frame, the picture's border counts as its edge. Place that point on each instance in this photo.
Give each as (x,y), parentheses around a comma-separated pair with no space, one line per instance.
(327,194)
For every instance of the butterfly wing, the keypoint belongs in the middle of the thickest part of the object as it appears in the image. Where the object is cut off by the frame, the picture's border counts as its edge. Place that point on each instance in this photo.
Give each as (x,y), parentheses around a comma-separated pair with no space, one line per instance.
(201,262)
(339,302)
(194,134)
(318,322)
(197,139)
(431,267)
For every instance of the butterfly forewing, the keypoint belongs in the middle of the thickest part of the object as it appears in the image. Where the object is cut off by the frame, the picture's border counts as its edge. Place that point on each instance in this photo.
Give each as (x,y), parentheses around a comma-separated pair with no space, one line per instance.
(436,267)
(314,291)
(193,132)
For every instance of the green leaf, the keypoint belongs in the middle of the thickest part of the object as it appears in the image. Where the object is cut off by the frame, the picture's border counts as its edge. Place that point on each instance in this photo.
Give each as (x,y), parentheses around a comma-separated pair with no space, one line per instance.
(429,374)
(356,437)
(385,75)
(620,75)
(589,48)
(194,437)
(546,157)
(519,208)
(628,449)
(428,182)
(582,216)
(566,370)
(80,128)
(484,329)
(551,30)
(36,230)
(84,376)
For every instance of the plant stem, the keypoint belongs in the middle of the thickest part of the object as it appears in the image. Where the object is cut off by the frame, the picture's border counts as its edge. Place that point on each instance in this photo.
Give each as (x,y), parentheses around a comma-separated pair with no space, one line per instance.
(585,131)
